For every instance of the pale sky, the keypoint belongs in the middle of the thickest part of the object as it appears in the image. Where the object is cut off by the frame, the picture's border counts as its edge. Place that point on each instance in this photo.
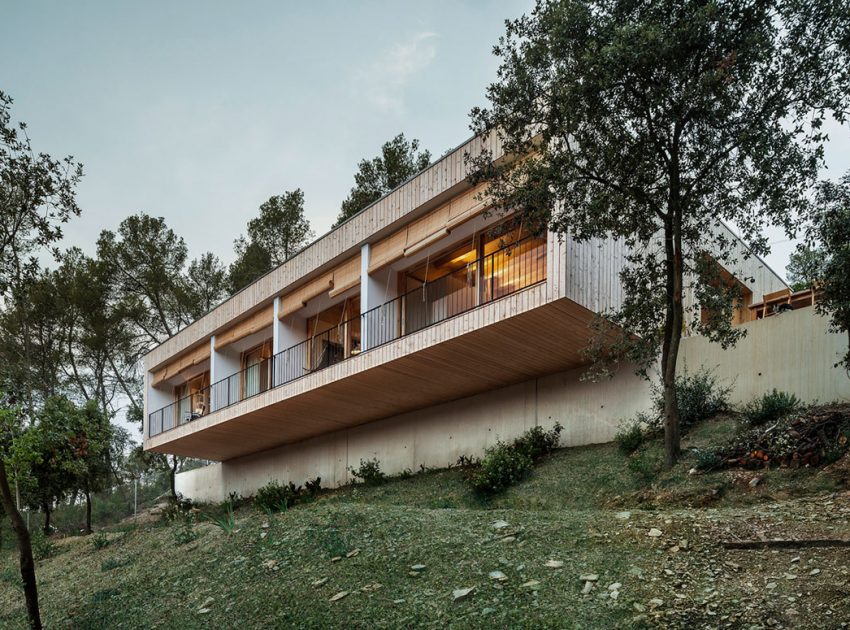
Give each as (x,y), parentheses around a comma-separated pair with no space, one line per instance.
(200,111)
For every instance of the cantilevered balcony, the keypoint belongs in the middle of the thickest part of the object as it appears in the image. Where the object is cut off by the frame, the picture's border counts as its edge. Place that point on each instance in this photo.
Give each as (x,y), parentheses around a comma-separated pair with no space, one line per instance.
(479,282)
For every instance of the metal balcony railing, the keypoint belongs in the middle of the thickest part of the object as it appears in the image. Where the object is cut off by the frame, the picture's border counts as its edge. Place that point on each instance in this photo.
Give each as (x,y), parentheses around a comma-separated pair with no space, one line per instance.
(496,275)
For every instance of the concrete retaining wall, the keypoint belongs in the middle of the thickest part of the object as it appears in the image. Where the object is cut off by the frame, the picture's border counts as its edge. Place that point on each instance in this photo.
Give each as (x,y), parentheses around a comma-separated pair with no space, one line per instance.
(792,352)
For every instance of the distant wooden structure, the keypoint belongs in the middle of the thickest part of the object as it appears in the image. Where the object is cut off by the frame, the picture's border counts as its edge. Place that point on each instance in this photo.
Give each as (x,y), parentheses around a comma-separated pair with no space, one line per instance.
(782,300)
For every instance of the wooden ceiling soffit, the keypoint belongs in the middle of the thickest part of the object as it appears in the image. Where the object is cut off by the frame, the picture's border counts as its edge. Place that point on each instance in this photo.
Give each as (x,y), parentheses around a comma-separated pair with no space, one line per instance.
(190,359)
(429,229)
(297,299)
(248,326)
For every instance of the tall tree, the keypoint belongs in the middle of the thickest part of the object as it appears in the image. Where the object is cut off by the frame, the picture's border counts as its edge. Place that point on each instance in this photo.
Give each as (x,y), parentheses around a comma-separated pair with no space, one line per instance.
(206,284)
(823,260)
(398,162)
(36,198)
(652,122)
(280,230)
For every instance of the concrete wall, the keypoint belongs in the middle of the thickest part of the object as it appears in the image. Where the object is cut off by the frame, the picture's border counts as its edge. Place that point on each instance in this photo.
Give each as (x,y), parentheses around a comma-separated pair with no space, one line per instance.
(792,352)
(436,436)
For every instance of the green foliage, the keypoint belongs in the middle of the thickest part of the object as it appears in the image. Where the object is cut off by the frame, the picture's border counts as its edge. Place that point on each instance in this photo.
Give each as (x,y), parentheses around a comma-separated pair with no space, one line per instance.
(112,563)
(654,123)
(645,464)
(629,437)
(828,243)
(275,497)
(277,233)
(370,472)
(537,442)
(42,546)
(771,406)
(708,459)
(99,541)
(185,532)
(503,465)
(398,162)
(700,395)
(227,522)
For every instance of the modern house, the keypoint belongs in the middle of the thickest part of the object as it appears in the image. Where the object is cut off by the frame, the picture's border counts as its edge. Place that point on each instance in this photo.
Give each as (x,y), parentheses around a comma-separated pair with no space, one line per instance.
(422,329)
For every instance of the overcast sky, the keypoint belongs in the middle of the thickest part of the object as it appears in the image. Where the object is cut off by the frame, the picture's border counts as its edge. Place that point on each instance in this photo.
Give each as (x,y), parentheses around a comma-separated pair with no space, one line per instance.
(199,111)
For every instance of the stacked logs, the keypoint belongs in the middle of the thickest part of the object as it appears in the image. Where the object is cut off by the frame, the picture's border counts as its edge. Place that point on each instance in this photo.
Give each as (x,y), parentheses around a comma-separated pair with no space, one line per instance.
(796,442)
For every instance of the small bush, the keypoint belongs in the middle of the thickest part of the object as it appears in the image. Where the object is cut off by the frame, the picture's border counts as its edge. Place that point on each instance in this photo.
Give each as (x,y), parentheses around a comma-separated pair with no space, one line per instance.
(645,465)
(99,541)
(178,509)
(226,523)
(700,396)
(313,488)
(503,465)
(629,437)
(708,459)
(770,407)
(42,546)
(275,497)
(370,472)
(185,533)
(112,563)
(536,442)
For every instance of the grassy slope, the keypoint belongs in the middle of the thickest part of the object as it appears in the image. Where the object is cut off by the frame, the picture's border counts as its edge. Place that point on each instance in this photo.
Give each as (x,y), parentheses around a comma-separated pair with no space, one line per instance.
(569,510)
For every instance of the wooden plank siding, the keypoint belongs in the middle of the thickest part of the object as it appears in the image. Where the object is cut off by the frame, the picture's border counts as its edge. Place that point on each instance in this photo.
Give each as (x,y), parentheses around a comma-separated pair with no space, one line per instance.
(435,185)
(189,359)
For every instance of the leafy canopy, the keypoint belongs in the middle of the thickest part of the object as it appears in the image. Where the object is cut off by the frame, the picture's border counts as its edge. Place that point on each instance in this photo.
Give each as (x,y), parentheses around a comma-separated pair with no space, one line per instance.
(653,123)
(398,162)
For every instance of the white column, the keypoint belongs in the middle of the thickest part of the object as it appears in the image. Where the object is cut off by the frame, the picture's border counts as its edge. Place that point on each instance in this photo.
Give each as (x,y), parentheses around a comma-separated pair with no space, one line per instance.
(156,399)
(223,363)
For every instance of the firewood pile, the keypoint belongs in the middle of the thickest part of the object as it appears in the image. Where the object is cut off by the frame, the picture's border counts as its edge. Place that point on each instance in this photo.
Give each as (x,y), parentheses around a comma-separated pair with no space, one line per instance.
(812,437)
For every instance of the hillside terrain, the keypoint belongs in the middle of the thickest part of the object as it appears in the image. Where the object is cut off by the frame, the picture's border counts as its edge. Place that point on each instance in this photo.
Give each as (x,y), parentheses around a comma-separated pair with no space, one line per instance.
(590,540)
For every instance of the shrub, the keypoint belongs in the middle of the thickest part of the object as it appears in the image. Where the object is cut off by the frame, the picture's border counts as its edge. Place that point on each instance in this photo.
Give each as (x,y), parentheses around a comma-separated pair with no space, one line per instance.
(370,472)
(645,465)
(226,523)
(629,437)
(708,459)
(275,497)
(503,465)
(770,407)
(185,533)
(313,488)
(99,541)
(178,509)
(42,546)
(536,442)
(112,563)
(700,396)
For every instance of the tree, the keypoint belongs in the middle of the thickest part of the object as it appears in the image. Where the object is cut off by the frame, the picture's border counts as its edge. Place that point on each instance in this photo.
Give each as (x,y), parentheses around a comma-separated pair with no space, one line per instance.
(206,284)
(804,267)
(654,122)
(36,198)
(823,260)
(280,230)
(398,162)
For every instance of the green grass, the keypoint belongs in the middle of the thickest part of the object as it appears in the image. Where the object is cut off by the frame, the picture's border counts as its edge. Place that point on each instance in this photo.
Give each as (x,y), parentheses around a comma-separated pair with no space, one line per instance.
(148,576)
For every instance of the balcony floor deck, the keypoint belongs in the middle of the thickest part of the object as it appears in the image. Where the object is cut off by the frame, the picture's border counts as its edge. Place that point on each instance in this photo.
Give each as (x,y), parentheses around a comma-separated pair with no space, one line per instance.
(542,340)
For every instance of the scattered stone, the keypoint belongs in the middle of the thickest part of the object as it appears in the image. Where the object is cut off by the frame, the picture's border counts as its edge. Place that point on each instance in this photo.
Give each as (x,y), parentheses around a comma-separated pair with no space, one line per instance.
(639,607)
(814,571)
(554,564)
(499,524)
(498,575)
(674,549)
(654,533)
(417,567)
(693,471)
(414,573)
(487,611)
(207,602)
(530,584)
(790,576)
(398,601)
(588,577)
(655,602)
(263,534)
(588,586)
(462,593)
(795,559)
(352,553)
(204,611)
(336,558)
(623,516)
(614,595)
(683,544)
(616,586)
(338,596)
(770,586)
(319,582)
(270,564)
(265,525)
(754,482)
(507,539)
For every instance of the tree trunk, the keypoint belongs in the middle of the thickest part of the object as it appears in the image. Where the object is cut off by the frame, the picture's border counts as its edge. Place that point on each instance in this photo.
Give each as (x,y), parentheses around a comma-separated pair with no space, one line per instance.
(88,511)
(45,507)
(172,477)
(24,547)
